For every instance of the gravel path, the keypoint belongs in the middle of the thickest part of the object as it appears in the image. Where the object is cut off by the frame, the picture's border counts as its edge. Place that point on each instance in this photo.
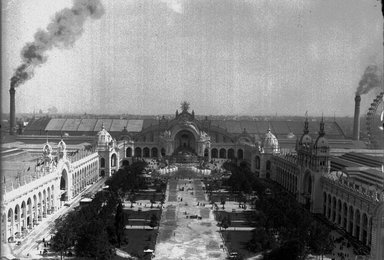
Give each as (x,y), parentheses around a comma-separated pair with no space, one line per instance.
(181,237)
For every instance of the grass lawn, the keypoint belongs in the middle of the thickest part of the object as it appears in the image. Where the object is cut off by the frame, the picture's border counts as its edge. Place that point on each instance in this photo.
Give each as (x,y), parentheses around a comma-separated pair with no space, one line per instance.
(238,219)
(138,240)
(143,215)
(237,241)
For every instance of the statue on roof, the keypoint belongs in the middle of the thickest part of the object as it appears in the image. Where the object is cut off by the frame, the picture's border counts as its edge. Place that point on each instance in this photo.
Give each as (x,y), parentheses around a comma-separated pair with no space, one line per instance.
(184,106)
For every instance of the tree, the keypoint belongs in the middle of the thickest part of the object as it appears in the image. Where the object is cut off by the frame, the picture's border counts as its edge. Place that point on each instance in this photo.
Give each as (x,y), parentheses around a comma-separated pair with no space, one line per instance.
(261,240)
(319,240)
(290,250)
(119,223)
(94,240)
(52,110)
(222,201)
(64,235)
(154,221)
(225,222)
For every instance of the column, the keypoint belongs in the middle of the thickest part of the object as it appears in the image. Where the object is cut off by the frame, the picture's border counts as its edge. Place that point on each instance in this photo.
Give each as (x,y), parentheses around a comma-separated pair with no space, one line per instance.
(45,206)
(4,229)
(209,153)
(361,226)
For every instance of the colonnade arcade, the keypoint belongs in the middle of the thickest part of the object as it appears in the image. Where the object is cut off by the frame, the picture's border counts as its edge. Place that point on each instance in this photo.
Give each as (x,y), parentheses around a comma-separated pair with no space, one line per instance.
(353,219)
(23,214)
(215,153)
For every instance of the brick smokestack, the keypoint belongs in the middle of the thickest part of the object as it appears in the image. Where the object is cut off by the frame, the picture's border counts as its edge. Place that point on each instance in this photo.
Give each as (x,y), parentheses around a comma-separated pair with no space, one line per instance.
(356,122)
(12,115)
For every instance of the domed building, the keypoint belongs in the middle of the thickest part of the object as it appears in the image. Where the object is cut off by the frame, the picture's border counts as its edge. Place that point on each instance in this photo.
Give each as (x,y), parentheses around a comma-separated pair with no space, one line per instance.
(108,150)
(61,149)
(270,144)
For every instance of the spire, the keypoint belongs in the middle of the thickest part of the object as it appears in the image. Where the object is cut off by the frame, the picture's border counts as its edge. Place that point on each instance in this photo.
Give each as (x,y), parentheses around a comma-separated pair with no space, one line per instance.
(306,131)
(322,132)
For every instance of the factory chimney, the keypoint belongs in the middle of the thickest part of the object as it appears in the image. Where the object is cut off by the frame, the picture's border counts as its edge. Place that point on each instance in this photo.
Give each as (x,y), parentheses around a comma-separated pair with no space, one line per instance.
(356,122)
(12,115)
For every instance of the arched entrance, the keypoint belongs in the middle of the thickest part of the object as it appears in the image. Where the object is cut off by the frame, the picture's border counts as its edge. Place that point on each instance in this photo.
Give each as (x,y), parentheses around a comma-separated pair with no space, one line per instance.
(64,185)
(113,160)
(185,141)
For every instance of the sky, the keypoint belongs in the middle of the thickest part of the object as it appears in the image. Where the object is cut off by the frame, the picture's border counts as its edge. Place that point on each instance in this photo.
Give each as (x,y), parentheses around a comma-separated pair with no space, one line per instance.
(225,57)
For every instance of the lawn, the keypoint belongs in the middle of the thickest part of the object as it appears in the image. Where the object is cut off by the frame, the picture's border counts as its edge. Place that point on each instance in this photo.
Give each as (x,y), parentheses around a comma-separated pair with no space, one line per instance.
(138,240)
(238,219)
(237,241)
(140,215)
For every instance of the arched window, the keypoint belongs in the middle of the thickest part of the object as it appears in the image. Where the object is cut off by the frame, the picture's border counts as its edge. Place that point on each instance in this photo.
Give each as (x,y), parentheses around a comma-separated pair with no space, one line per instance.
(154,152)
(206,152)
(333,209)
(324,204)
(214,153)
(146,152)
(257,162)
(128,152)
(268,165)
(162,151)
(351,215)
(102,162)
(113,160)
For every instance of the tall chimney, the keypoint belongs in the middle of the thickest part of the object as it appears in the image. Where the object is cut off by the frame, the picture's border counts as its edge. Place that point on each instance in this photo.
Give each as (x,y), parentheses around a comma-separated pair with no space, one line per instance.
(356,122)
(12,115)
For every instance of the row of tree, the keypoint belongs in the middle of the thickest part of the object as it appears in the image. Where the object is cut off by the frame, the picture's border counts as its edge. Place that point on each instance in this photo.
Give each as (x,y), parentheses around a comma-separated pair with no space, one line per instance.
(96,229)
(283,228)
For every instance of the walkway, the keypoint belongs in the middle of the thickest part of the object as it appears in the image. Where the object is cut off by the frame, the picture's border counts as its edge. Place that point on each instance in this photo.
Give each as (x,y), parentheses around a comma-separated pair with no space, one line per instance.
(183,237)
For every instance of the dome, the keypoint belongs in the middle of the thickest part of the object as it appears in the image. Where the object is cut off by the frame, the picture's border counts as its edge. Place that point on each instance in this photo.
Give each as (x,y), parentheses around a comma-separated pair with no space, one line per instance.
(47,149)
(270,141)
(103,137)
(321,141)
(305,139)
(61,145)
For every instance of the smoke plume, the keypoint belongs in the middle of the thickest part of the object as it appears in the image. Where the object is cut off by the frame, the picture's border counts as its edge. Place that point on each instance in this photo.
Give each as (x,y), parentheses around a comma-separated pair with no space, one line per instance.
(66,27)
(371,79)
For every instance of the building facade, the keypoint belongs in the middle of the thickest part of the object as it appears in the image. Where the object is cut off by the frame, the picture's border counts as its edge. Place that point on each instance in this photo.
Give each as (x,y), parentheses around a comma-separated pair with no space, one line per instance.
(347,190)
